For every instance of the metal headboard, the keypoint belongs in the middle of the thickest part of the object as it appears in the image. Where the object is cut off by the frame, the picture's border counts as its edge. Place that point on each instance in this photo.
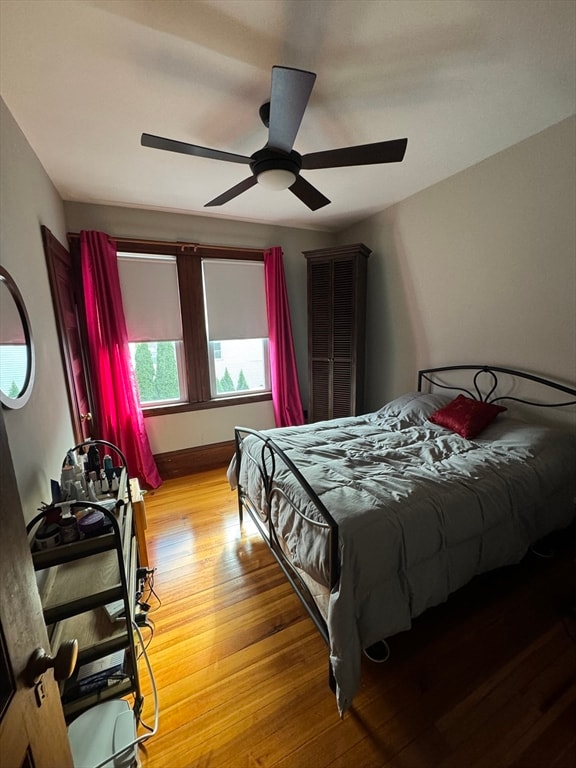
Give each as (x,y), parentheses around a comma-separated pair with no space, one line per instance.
(430,375)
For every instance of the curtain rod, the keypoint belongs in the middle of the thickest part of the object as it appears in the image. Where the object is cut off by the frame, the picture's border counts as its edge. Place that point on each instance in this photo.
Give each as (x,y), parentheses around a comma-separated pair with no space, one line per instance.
(175,244)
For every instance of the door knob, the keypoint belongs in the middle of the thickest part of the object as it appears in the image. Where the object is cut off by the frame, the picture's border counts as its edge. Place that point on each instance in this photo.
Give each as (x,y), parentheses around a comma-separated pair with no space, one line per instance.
(63,663)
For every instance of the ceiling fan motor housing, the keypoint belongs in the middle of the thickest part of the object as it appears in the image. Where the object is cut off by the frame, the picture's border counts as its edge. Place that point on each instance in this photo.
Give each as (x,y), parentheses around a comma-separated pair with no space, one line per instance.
(269,159)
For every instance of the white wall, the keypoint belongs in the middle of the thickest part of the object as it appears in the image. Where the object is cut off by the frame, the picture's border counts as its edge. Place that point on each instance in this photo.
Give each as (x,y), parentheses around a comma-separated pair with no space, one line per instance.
(194,428)
(480,268)
(40,433)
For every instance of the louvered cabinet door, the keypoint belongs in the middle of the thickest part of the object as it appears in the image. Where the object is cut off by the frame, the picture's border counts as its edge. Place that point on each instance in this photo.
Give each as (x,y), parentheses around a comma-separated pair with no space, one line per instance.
(336,330)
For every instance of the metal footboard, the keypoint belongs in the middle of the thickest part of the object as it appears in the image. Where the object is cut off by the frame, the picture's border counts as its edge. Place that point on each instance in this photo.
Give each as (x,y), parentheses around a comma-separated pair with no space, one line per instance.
(268,459)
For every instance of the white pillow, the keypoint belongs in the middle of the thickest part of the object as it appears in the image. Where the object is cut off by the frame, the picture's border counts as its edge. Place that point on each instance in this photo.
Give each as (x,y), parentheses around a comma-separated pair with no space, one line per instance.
(414,407)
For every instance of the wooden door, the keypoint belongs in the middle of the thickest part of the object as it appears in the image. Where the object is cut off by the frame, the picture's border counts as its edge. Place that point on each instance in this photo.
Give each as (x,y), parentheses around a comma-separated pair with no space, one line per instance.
(32,727)
(62,276)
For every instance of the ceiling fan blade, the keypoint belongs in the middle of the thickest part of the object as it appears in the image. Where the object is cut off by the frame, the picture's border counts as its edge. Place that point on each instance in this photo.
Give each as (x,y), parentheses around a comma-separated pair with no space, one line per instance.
(291,89)
(309,195)
(157,142)
(233,192)
(364,154)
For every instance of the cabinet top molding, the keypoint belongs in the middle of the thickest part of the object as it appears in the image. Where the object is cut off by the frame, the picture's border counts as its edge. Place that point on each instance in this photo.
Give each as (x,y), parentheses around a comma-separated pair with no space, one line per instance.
(339,250)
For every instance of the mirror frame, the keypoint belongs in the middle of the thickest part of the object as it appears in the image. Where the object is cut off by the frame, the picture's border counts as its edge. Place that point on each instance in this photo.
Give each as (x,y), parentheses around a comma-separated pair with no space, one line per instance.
(26,391)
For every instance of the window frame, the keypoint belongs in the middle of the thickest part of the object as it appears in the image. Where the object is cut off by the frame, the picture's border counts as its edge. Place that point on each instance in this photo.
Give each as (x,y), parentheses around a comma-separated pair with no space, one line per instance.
(194,337)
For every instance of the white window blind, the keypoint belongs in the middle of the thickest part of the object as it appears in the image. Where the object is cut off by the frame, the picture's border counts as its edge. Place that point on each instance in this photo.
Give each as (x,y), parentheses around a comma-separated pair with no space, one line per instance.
(235,299)
(149,286)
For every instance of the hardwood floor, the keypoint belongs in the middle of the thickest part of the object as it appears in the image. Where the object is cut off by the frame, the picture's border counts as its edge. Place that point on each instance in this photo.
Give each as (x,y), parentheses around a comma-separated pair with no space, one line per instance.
(487,680)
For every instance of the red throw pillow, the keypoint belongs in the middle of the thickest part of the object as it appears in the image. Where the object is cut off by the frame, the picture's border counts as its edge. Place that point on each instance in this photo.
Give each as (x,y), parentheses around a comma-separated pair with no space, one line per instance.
(466,416)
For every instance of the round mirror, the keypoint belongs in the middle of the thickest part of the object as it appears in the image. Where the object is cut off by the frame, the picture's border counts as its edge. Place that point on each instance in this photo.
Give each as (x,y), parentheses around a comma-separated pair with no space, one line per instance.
(16,346)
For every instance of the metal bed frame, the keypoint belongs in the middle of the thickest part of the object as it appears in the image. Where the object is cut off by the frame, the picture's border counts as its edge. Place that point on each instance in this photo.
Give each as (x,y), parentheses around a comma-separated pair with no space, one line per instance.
(271,455)
(430,375)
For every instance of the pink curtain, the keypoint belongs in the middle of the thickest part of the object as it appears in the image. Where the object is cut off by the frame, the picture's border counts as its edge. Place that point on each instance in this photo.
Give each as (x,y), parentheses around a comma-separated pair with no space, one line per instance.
(114,384)
(285,390)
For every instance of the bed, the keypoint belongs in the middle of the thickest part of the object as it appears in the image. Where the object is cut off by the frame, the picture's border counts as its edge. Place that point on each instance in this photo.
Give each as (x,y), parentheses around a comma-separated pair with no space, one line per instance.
(376,518)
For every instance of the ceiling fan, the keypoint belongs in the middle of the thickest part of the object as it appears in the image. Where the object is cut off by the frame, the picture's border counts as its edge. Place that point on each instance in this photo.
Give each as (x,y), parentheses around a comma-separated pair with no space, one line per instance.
(277,165)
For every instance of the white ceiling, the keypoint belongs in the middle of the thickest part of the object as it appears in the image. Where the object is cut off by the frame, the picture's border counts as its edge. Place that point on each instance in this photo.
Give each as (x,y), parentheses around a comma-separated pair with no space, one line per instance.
(462,79)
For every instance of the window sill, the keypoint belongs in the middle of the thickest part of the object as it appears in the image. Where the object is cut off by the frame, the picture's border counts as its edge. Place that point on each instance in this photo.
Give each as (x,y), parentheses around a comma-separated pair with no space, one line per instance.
(164,410)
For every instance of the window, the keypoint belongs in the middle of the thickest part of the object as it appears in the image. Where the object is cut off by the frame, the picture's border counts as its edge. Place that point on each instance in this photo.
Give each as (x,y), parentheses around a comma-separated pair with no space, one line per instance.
(236,325)
(156,345)
(238,366)
(196,321)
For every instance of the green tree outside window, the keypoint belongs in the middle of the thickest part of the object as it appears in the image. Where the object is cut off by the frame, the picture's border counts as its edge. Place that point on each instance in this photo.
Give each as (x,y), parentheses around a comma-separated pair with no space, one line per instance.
(144,370)
(166,372)
(226,384)
(242,383)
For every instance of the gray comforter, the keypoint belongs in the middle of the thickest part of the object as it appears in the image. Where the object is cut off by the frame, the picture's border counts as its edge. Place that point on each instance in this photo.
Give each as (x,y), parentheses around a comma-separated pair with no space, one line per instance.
(420,511)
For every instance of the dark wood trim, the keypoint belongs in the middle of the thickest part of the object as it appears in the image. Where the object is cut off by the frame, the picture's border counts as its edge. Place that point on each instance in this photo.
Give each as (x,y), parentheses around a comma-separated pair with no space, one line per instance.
(197,459)
(338,251)
(171,248)
(194,328)
(54,251)
(64,277)
(224,402)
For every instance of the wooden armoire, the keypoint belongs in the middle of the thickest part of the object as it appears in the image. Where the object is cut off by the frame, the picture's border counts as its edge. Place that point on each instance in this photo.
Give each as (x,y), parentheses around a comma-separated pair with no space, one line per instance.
(336,330)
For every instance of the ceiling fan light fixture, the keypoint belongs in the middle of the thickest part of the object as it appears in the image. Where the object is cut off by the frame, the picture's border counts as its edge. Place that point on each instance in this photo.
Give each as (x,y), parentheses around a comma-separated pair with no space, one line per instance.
(276,179)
